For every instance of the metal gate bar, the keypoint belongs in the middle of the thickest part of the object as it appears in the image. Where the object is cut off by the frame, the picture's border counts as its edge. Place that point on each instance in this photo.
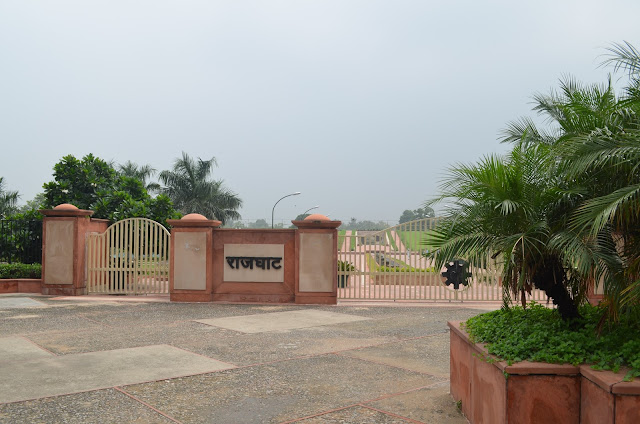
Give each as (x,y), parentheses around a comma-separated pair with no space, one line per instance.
(130,257)
(391,265)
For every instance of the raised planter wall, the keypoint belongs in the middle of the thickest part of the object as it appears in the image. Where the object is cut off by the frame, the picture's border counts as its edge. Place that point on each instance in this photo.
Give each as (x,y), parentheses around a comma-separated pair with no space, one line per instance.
(531,392)
(20,285)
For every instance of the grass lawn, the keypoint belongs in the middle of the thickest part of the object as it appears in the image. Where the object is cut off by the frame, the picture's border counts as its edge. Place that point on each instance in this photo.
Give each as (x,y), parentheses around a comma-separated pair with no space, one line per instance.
(416,240)
(353,240)
(403,266)
(392,240)
(341,234)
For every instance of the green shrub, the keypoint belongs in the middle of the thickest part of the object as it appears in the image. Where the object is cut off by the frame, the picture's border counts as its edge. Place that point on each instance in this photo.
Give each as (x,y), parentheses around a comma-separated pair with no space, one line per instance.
(375,267)
(345,266)
(539,334)
(405,269)
(19,270)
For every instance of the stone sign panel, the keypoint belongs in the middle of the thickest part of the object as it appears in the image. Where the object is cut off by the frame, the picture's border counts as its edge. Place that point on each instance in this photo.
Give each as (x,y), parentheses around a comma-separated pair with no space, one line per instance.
(254,263)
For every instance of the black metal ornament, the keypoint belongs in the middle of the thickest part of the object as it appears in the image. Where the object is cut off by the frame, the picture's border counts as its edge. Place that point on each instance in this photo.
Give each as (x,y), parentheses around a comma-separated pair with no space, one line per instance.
(456,273)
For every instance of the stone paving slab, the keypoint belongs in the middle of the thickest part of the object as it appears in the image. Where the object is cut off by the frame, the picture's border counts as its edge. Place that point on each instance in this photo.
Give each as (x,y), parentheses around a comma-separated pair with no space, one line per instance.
(111,337)
(60,375)
(429,405)
(355,414)
(279,321)
(19,302)
(276,392)
(96,407)
(385,365)
(428,354)
(15,348)
(43,320)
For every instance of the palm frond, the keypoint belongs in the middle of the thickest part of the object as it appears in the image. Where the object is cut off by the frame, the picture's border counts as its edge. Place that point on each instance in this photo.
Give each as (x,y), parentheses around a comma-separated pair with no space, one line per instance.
(624,56)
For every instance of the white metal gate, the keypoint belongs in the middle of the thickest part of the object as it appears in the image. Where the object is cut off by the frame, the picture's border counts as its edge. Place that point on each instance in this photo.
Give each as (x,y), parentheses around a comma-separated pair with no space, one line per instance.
(391,265)
(130,257)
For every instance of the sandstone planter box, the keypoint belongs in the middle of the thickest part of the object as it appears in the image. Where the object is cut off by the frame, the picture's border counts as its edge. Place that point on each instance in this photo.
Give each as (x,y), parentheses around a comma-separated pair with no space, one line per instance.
(20,285)
(491,391)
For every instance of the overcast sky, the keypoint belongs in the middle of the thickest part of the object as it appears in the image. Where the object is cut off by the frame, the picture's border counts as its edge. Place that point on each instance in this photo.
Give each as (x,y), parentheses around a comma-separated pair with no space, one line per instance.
(360,105)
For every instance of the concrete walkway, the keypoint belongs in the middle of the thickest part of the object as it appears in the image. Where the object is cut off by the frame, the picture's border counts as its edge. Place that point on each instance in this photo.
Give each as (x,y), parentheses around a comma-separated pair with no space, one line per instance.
(119,360)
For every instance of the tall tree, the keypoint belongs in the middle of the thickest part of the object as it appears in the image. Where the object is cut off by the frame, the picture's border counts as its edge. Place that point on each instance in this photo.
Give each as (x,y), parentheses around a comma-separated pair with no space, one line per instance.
(595,135)
(140,172)
(607,159)
(190,187)
(91,183)
(420,213)
(407,215)
(8,199)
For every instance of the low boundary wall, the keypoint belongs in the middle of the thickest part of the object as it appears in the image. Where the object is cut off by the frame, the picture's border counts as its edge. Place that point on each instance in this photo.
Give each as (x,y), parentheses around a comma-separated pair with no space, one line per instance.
(207,263)
(20,285)
(298,265)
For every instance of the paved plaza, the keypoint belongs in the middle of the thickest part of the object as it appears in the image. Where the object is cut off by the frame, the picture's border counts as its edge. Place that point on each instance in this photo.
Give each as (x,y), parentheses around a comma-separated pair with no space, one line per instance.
(118,360)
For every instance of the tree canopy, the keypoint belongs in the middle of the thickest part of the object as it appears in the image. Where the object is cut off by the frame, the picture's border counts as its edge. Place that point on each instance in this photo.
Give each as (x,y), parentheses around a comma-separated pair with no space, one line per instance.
(92,183)
(140,172)
(420,213)
(190,187)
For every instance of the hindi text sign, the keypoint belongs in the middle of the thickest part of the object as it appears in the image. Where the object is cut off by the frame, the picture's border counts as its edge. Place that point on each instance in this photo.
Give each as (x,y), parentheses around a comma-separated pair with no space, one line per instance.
(255,263)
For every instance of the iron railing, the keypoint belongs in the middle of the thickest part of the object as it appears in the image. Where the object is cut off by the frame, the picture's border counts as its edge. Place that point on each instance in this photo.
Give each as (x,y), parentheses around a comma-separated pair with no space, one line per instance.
(21,241)
(393,264)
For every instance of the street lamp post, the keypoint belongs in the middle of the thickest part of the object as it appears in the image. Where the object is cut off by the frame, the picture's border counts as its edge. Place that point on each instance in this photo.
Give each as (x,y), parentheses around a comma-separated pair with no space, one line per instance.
(315,207)
(274,206)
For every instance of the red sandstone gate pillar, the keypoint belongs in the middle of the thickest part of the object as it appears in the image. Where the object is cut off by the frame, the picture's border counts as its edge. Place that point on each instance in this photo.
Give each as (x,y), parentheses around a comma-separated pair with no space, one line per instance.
(63,250)
(191,259)
(317,265)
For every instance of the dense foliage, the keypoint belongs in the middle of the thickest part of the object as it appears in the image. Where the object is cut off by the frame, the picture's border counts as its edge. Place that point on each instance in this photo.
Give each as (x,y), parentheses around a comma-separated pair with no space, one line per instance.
(21,237)
(561,211)
(420,213)
(19,270)
(539,334)
(141,173)
(93,184)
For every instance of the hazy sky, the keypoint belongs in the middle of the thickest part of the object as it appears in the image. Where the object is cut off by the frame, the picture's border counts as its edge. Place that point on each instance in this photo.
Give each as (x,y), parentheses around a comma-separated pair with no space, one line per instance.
(360,105)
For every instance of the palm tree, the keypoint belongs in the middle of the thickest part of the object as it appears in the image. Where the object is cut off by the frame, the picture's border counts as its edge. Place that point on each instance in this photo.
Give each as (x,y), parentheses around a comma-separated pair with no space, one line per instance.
(576,109)
(189,187)
(608,160)
(596,143)
(8,200)
(141,173)
(507,209)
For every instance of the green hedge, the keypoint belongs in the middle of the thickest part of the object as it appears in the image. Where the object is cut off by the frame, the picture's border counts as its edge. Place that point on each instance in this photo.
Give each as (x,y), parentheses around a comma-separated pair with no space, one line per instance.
(375,267)
(539,334)
(18,270)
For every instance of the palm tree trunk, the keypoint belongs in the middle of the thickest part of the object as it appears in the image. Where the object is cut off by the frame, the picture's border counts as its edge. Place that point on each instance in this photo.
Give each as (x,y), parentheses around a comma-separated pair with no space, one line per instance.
(550,278)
